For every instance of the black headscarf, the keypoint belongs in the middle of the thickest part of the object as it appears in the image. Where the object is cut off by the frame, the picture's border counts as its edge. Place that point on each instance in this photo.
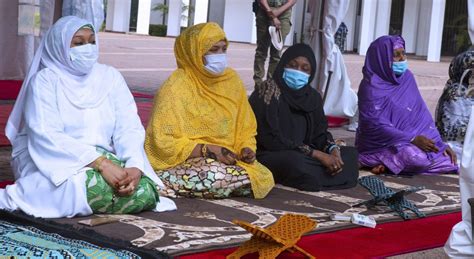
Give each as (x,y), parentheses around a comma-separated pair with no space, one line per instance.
(300,99)
(279,109)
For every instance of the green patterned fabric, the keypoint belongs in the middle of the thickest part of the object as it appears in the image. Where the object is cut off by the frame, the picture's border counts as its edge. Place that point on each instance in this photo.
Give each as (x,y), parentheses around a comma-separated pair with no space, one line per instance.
(102,199)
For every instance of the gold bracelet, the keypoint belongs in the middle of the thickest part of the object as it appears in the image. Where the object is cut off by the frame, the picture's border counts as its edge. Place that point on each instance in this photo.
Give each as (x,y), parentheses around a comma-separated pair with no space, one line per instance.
(204,150)
(98,162)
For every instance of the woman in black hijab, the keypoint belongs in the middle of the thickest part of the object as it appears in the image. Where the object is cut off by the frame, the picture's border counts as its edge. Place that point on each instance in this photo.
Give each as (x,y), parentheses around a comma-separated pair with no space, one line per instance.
(293,139)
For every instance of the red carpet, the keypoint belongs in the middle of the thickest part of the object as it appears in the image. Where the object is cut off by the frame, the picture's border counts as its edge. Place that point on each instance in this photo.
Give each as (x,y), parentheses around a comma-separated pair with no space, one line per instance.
(9,89)
(385,240)
(5,110)
(336,122)
(5,183)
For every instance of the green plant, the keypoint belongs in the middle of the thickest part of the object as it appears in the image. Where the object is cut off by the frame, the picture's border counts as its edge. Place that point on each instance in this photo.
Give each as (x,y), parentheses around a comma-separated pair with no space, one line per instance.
(158,30)
(164,9)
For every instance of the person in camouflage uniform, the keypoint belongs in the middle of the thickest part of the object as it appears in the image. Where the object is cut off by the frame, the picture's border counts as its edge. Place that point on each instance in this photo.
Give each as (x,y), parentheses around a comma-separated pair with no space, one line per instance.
(270,12)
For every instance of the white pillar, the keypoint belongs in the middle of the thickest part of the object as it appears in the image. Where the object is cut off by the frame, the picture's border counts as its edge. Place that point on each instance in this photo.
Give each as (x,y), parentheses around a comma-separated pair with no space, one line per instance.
(238,29)
(216,11)
(436,30)
(410,24)
(143,16)
(174,17)
(200,11)
(382,23)
(423,32)
(367,23)
(118,15)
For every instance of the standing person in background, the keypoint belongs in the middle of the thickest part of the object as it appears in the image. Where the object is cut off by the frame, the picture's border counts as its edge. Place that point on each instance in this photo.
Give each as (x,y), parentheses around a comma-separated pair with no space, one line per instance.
(340,36)
(270,13)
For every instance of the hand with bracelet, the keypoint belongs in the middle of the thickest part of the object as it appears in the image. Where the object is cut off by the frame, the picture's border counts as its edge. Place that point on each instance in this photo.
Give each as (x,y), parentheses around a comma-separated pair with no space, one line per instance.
(336,153)
(112,173)
(219,153)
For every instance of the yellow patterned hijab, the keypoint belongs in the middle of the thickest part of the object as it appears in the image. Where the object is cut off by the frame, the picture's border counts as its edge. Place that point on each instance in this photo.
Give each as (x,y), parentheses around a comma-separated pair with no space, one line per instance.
(194,106)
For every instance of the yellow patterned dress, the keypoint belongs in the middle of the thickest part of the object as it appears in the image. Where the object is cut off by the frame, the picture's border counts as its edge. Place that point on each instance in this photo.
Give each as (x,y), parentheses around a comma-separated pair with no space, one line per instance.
(196,107)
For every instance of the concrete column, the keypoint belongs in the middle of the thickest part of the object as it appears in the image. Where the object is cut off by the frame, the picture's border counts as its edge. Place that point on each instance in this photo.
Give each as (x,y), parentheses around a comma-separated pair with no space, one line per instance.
(200,11)
(382,23)
(143,16)
(118,15)
(238,29)
(368,20)
(410,24)
(216,11)
(174,18)
(436,30)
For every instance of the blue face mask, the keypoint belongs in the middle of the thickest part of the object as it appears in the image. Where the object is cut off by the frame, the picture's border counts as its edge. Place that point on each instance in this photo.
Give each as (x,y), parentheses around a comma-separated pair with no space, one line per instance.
(216,63)
(400,67)
(295,79)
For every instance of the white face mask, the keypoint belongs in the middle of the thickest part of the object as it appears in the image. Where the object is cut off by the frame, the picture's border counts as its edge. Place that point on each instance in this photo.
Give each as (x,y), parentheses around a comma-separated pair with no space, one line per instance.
(84,57)
(216,63)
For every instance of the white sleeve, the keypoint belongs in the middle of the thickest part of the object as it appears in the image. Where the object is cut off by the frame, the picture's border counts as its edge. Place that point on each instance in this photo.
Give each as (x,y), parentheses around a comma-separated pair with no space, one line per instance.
(56,154)
(129,134)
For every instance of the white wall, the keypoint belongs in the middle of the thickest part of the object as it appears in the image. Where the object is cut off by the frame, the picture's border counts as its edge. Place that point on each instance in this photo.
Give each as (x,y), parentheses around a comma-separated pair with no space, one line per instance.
(238,20)
(410,24)
(118,15)
(423,28)
(200,11)
(382,23)
(368,20)
(375,21)
(156,16)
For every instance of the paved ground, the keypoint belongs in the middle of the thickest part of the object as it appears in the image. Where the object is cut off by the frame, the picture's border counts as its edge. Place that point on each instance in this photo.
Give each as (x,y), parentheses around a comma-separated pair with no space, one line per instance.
(146,62)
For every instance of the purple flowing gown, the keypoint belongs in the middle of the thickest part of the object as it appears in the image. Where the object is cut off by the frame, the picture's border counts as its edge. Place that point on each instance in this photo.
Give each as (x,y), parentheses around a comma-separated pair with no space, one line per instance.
(392,113)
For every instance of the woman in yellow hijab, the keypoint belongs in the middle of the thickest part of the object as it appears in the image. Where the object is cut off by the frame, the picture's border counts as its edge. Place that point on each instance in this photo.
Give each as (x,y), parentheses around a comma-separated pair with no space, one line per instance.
(201,136)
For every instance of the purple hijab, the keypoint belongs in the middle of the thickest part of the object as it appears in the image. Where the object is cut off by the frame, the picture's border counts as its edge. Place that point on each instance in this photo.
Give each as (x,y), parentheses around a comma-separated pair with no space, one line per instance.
(392,111)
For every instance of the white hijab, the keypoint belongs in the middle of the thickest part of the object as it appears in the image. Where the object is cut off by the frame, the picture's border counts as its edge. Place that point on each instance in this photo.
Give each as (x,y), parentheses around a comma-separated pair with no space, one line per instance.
(82,90)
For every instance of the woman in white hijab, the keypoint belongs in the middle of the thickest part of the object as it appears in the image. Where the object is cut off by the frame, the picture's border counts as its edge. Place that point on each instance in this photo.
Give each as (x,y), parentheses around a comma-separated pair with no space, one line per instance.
(77,139)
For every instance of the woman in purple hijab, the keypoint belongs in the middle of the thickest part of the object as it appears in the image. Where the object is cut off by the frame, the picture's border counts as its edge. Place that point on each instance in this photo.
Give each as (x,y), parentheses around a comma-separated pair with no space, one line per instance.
(396,131)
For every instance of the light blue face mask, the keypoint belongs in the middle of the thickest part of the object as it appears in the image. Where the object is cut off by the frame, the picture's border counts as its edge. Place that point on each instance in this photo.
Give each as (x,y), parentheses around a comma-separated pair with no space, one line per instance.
(295,79)
(216,63)
(84,57)
(399,67)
